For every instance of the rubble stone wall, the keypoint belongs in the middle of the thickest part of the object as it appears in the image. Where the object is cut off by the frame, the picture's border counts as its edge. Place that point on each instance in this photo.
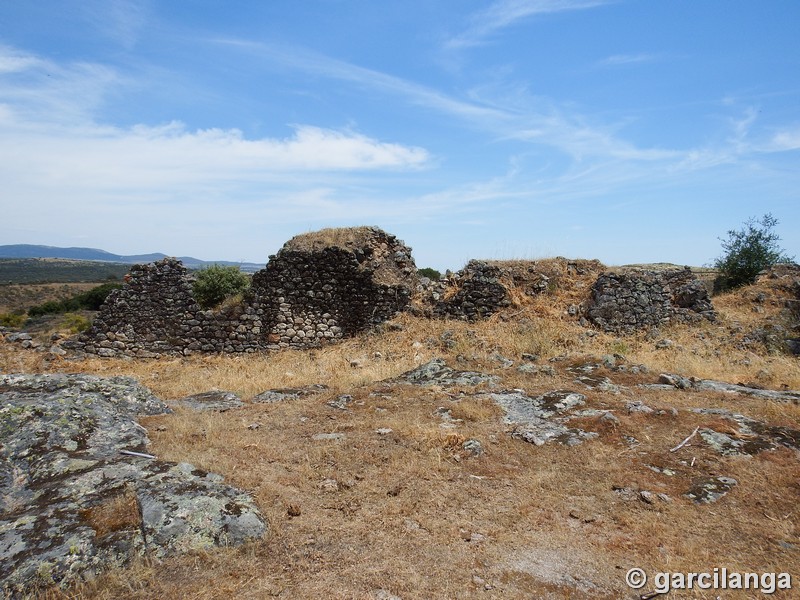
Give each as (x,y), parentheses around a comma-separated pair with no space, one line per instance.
(637,300)
(319,287)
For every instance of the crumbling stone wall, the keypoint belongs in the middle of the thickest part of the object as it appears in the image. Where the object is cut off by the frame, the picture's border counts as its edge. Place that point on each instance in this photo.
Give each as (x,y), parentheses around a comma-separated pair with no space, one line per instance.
(476,292)
(319,287)
(332,284)
(629,301)
(483,288)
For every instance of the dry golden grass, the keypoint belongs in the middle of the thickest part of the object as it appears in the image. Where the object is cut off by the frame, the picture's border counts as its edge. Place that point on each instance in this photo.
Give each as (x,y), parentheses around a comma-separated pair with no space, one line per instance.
(412,513)
(118,513)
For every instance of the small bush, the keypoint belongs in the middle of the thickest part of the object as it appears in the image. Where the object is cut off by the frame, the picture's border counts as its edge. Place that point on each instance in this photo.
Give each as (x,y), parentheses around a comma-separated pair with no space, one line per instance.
(13,319)
(93,299)
(430,273)
(89,300)
(76,323)
(216,283)
(748,251)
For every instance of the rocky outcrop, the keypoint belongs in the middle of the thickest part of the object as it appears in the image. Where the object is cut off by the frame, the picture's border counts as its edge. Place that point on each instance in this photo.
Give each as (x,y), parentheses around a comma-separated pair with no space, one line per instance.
(73,503)
(637,300)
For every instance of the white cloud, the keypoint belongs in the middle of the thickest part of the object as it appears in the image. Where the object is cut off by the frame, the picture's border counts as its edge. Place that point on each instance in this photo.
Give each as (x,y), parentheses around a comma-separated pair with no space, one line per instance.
(786,140)
(145,157)
(120,20)
(504,13)
(626,59)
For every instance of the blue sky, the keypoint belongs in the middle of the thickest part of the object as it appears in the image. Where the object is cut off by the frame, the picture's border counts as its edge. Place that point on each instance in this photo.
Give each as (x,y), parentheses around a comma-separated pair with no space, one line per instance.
(624,130)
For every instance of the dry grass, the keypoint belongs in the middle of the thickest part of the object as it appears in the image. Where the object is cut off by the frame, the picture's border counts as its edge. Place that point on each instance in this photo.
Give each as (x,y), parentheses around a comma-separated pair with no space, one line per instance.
(413,513)
(118,513)
(23,296)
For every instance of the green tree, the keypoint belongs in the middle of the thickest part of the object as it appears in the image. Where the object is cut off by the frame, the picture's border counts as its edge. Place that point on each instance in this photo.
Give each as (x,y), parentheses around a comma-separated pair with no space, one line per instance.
(430,273)
(218,282)
(748,251)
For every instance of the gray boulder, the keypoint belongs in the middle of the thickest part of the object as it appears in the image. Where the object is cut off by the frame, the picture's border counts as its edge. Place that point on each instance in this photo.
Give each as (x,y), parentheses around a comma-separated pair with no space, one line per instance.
(72,504)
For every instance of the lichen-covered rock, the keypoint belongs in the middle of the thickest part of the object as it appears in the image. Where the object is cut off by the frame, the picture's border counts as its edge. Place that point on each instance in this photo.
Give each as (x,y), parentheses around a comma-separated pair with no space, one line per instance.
(72,505)
(282,394)
(537,419)
(214,400)
(436,372)
(630,301)
(710,489)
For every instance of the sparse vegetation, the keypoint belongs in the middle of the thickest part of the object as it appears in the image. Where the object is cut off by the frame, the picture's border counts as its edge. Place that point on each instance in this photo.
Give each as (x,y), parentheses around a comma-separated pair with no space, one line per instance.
(748,251)
(411,499)
(430,273)
(57,270)
(76,323)
(216,283)
(13,319)
(89,300)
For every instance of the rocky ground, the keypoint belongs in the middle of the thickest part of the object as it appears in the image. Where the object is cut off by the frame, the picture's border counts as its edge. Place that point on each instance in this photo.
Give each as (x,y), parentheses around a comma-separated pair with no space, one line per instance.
(525,456)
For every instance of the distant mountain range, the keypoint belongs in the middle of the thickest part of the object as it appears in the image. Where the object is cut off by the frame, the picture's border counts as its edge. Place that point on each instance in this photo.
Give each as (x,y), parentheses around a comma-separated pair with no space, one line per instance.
(93,254)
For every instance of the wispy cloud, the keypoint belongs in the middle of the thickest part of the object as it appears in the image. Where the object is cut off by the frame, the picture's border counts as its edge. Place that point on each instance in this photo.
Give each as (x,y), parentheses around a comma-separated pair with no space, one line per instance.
(504,13)
(786,139)
(119,20)
(627,59)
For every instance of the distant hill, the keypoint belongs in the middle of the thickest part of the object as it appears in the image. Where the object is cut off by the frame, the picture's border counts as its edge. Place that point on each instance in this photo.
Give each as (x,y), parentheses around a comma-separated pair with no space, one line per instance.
(94,254)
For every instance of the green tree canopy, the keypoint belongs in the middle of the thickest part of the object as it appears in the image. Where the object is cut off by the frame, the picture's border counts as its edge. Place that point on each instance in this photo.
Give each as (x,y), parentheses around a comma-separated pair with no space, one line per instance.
(748,251)
(218,282)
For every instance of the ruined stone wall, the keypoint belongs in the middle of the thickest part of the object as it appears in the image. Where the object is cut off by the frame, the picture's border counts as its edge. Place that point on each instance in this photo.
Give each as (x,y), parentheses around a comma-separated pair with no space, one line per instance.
(319,287)
(630,301)
(483,288)
(473,293)
(155,313)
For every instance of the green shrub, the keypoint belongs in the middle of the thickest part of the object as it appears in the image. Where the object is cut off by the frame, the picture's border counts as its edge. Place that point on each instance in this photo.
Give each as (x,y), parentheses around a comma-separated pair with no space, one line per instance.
(431,274)
(93,299)
(13,319)
(89,300)
(76,323)
(747,252)
(47,308)
(216,283)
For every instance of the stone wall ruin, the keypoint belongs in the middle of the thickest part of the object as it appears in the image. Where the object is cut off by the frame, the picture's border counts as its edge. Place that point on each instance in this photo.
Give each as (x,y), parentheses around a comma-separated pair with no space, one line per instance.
(624,302)
(319,287)
(334,283)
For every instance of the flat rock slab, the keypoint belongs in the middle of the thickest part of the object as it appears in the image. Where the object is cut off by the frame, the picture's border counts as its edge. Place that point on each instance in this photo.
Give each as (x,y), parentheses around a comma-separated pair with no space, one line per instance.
(670,381)
(711,489)
(284,394)
(753,436)
(436,372)
(214,400)
(71,505)
(534,419)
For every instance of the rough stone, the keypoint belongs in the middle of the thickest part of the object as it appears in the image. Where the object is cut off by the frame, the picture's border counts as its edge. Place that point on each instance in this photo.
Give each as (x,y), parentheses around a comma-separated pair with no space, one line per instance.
(532,419)
(319,287)
(638,300)
(72,505)
(711,489)
(436,372)
(284,394)
(213,400)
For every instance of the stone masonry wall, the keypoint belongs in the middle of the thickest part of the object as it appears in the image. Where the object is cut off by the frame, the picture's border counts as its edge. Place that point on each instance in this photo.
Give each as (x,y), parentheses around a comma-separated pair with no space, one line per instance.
(626,302)
(319,287)
(479,293)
